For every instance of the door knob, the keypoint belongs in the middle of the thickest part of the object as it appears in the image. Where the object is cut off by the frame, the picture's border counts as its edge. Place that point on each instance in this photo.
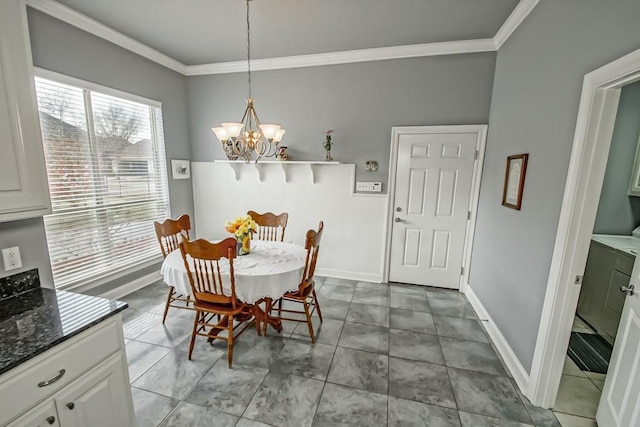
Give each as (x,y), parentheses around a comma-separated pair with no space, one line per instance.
(398,209)
(400,220)
(629,290)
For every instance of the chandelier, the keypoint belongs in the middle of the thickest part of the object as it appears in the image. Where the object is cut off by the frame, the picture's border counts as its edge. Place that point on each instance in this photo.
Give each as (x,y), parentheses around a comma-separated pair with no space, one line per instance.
(249,139)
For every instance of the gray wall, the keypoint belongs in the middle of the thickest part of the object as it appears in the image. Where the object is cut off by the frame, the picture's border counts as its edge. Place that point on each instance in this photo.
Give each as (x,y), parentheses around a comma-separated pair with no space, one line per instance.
(59,47)
(361,102)
(619,213)
(538,81)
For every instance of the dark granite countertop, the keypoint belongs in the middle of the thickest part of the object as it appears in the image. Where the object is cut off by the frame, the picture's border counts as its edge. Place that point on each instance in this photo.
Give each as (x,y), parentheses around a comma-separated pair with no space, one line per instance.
(35,320)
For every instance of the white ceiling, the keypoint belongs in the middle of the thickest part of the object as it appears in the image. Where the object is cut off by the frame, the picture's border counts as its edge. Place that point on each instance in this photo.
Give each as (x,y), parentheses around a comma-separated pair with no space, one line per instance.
(212,31)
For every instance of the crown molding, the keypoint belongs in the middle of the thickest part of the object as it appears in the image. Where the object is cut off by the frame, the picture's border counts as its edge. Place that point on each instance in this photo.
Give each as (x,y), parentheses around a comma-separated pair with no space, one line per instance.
(520,12)
(346,57)
(83,22)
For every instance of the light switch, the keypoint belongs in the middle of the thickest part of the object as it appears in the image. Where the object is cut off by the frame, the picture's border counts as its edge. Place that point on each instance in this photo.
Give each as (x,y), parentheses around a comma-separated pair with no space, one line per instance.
(371,187)
(11,258)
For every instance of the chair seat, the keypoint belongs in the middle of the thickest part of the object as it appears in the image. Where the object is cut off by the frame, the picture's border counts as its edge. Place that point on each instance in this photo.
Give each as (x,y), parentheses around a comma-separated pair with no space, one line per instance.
(221,308)
(297,295)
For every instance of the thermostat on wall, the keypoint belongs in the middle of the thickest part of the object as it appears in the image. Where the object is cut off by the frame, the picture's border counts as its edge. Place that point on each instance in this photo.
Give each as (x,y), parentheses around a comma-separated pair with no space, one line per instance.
(370,187)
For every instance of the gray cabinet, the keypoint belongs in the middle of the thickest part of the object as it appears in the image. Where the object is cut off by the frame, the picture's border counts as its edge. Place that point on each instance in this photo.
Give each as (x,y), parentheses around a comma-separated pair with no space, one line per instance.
(601,300)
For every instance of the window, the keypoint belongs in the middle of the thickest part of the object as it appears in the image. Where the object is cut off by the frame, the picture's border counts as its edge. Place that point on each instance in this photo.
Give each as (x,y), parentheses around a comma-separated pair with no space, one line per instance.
(107,178)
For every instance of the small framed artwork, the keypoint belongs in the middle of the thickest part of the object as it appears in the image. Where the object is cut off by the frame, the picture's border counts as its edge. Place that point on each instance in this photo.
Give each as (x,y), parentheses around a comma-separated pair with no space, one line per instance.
(514,181)
(180,169)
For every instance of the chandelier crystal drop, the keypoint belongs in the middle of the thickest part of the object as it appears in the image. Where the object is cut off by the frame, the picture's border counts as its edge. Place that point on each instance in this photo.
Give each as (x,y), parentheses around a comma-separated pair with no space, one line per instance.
(249,139)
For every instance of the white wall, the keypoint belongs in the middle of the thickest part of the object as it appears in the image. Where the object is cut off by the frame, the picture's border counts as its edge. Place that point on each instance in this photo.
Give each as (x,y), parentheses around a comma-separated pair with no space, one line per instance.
(353,240)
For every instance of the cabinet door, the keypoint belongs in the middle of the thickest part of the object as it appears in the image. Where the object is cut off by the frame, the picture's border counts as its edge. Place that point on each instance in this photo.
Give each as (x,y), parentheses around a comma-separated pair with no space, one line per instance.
(24,190)
(41,416)
(101,398)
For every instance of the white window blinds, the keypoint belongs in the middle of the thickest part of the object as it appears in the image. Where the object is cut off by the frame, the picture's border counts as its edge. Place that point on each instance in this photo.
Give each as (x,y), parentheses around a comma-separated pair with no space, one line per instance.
(107,178)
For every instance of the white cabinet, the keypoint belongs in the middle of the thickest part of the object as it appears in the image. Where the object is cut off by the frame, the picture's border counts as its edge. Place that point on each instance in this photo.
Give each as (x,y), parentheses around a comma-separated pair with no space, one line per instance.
(24,191)
(82,382)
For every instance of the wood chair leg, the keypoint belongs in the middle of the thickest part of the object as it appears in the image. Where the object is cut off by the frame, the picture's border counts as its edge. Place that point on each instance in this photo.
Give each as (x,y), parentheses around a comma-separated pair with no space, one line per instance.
(268,305)
(315,300)
(257,318)
(193,333)
(230,340)
(309,323)
(166,306)
(280,307)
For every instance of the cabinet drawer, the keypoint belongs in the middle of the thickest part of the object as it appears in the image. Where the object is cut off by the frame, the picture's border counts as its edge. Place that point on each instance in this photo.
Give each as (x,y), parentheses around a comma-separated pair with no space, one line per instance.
(20,389)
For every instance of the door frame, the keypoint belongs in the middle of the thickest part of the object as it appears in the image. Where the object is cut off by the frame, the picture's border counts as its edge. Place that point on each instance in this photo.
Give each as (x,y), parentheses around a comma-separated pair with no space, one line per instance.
(592,140)
(481,143)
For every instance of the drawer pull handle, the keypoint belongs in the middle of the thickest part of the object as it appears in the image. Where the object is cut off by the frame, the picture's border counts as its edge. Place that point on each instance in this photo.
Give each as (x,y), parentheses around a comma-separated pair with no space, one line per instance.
(71,405)
(52,380)
(51,419)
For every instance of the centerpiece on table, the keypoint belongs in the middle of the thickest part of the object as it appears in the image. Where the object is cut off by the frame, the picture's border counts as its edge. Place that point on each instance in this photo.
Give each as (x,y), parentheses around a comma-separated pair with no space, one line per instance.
(241,228)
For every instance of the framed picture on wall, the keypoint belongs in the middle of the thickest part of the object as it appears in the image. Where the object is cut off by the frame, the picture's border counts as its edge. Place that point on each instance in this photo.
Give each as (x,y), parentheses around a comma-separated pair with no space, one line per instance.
(514,181)
(180,169)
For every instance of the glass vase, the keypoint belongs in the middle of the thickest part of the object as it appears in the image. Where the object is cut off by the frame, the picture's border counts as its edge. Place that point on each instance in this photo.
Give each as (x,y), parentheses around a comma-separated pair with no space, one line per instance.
(243,244)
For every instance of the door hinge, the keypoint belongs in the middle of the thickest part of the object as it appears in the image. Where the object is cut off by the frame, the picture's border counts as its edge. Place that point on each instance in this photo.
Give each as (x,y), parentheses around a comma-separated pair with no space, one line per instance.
(578,280)
(469,215)
(462,271)
(475,156)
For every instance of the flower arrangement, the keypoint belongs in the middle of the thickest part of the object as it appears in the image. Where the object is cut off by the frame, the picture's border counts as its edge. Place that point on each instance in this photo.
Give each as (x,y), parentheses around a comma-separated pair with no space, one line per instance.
(241,228)
(327,144)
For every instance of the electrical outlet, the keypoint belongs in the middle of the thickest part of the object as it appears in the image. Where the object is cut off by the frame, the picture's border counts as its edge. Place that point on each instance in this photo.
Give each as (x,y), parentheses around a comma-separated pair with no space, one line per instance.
(11,258)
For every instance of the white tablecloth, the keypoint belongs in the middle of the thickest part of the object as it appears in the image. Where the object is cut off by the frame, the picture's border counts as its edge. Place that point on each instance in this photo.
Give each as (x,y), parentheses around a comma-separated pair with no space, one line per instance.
(270,270)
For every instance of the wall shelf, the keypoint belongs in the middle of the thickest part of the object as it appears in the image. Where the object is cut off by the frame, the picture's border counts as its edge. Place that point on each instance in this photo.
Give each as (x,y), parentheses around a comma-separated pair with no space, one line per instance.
(238,165)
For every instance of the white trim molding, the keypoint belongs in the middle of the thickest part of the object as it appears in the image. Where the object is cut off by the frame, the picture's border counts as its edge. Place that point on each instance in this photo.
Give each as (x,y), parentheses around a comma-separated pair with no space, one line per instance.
(519,14)
(350,275)
(587,166)
(83,22)
(91,26)
(517,371)
(132,286)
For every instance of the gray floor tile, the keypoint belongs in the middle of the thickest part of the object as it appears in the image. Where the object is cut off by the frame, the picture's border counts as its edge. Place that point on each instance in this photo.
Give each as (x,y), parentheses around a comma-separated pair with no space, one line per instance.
(599,384)
(360,369)
(409,302)
(365,337)
(151,408)
(326,332)
(540,417)
(227,390)
(335,292)
(372,297)
(444,293)
(175,375)
(570,368)
(407,289)
(456,327)
(285,400)
(246,422)
(404,413)
(174,331)
(334,309)
(415,346)
(471,355)
(305,359)
(136,323)
(486,394)
(411,320)
(567,420)
(451,307)
(142,356)
(148,297)
(369,314)
(188,415)
(424,382)
(343,406)
(475,420)
(250,349)
(577,396)
(341,282)
(374,286)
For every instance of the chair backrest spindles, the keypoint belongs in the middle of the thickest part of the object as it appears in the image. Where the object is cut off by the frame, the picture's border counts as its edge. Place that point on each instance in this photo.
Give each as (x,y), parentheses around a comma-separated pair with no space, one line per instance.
(312,245)
(270,226)
(171,232)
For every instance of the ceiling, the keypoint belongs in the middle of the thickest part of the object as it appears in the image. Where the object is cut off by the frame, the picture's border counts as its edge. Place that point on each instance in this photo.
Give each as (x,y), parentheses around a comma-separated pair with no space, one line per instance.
(198,32)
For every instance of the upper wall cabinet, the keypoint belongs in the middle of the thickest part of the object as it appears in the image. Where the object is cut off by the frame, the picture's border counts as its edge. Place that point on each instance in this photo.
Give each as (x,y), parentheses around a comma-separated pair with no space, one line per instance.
(634,184)
(24,191)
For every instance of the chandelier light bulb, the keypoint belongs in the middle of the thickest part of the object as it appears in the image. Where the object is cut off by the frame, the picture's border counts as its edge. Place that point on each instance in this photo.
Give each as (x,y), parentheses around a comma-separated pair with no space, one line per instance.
(221,134)
(233,129)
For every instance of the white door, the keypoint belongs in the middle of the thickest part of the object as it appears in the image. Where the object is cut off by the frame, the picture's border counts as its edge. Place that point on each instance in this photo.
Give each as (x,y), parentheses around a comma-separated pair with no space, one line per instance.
(434,176)
(619,405)
(101,398)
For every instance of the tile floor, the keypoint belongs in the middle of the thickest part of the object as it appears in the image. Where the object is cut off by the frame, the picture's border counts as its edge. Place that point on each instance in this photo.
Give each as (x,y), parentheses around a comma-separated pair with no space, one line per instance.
(386,355)
(579,392)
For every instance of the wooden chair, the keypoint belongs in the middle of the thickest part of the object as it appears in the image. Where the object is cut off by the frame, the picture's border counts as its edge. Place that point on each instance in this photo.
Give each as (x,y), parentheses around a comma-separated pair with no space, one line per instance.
(270,226)
(170,233)
(211,300)
(306,293)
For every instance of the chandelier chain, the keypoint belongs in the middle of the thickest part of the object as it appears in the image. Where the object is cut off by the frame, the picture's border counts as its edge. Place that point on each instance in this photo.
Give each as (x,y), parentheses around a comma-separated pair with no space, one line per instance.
(248,50)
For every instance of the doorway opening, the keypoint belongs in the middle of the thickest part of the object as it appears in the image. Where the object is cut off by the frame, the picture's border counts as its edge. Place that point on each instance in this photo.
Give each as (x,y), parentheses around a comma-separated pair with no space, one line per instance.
(592,142)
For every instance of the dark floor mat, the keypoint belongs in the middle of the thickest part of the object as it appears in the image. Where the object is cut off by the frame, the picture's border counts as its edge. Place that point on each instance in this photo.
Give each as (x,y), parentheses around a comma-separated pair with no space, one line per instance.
(590,352)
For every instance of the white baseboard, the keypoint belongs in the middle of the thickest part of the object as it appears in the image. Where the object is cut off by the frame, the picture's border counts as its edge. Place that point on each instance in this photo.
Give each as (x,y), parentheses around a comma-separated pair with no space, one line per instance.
(520,375)
(350,275)
(132,286)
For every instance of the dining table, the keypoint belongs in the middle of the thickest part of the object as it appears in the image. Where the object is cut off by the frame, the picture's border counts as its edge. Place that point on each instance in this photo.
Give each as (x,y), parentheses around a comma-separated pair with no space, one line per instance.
(265,274)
